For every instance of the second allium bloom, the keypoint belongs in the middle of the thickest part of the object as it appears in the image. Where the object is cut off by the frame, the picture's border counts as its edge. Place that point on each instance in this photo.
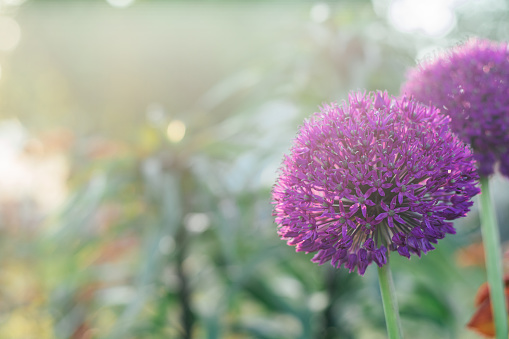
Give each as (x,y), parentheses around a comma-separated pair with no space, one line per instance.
(470,83)
(372,175)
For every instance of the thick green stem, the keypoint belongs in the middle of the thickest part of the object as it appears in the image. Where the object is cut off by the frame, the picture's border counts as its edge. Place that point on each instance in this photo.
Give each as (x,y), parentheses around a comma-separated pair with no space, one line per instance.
(389,301)
(491,241)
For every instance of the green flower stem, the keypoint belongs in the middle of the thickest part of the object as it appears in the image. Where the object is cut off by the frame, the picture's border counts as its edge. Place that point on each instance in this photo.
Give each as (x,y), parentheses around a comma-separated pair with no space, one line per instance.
(389,302)
(491,241)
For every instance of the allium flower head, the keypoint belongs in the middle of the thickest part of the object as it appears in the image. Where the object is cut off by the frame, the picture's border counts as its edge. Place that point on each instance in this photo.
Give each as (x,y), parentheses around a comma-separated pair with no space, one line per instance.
(470,83)
(372,175)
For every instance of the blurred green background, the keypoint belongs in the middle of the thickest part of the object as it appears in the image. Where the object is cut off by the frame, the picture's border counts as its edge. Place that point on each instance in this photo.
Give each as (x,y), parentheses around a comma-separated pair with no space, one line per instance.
(139,141)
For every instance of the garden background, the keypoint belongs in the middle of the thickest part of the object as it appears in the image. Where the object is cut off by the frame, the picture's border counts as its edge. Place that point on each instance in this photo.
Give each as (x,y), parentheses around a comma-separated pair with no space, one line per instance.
(139,141)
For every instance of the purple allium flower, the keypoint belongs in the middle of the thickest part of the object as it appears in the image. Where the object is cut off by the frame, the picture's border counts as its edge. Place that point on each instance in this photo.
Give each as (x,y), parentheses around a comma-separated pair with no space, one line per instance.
(470,83)
(371,175)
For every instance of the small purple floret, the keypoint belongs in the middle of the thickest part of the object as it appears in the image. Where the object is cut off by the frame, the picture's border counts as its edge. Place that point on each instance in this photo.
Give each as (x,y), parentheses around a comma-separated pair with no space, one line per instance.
(470,83)
(372,175)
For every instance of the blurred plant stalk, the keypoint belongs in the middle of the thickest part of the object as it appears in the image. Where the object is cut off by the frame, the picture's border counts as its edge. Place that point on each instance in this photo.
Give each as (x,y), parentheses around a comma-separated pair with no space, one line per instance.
(390,303)
(187,316)
(491,240)
(182,238)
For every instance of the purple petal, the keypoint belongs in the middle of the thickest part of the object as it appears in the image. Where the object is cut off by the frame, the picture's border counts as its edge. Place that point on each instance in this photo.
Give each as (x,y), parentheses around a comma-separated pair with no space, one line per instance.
(369,202)
(380,256)
(393,203)
(362,265)
(403,250)
(399,219)
(368,192)
(369,245)
(416,232)
(363,209)
(351,224)
(398,239)
(381,216)
(352,262)
(354,208)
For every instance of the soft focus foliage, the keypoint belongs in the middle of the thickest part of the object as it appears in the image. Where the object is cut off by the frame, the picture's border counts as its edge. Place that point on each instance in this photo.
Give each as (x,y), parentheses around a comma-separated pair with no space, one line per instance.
(139,142)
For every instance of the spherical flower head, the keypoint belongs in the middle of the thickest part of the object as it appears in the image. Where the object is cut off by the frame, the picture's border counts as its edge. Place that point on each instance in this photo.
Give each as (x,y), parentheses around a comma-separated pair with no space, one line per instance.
(470,83)
(372,175)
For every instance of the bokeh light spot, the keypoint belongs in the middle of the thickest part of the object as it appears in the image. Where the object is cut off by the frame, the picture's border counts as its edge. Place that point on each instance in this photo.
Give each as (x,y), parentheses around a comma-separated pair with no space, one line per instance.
(176,131)
(320,12)
(197,222)
(120,3)
(318,301)
(10,33)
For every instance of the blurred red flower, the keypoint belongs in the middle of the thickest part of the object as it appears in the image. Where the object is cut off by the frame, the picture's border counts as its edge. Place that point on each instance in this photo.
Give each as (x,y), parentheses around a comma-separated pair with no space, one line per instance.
(482,321)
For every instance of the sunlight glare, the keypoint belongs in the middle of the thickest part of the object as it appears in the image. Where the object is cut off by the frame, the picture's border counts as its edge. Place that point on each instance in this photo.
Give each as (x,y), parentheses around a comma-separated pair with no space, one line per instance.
(13,2)
(431,17)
